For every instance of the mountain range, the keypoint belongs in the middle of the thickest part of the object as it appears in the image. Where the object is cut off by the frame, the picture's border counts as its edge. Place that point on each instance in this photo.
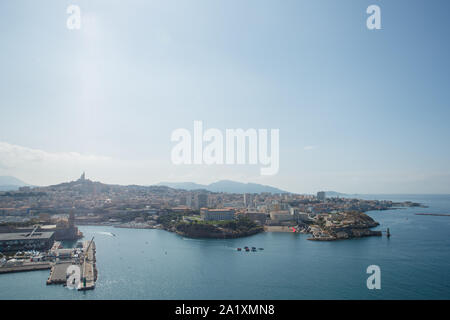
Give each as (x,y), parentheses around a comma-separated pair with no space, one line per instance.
(224,186)
(8,183)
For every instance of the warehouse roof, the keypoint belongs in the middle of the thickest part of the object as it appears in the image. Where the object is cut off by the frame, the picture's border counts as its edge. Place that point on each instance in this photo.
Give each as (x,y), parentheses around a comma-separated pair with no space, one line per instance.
(25,236)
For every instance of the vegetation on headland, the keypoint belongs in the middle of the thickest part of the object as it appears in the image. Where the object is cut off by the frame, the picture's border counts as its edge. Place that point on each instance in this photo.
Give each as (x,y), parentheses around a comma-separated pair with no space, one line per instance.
(241,227)
(169,219)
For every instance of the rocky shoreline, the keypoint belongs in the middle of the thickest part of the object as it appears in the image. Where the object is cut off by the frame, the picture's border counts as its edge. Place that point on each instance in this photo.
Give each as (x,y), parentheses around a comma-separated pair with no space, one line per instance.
(344,226)
(213,232)
(194,231)
(327,228)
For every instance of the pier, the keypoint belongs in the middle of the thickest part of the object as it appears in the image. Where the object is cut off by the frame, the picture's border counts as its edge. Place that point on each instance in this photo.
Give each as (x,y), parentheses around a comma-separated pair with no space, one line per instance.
(85,261)
(58,260)
(88,268)
(58,273)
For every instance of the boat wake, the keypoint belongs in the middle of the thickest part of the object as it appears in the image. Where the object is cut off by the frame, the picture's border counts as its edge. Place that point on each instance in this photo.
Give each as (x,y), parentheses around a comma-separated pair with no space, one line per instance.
(106,233)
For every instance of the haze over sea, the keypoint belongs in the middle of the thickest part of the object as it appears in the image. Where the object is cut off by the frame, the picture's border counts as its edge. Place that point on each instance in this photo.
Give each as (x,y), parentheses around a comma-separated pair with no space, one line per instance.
(155,264)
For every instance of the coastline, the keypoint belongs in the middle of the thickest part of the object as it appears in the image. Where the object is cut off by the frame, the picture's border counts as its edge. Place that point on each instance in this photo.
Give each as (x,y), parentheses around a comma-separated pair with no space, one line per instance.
(318,234)
(433,214)
(279,229)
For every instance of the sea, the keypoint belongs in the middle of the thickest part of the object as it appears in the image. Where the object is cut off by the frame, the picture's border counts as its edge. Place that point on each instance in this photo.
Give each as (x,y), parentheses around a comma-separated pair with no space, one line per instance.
(154,264)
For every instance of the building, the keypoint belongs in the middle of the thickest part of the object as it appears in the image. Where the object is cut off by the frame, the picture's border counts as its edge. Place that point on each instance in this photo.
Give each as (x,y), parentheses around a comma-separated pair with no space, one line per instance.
(202,200)
(182,201)
(280,216)
(11,242)
(248,200)
(321,195)
(217,214)
(189,200)
(180,209)
(259,217)
(64,229)
(299,215)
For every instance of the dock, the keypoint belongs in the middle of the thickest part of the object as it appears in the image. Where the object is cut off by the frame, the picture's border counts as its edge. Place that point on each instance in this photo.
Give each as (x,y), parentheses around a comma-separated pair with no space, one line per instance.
(58,273)
(88,267)
(86,264)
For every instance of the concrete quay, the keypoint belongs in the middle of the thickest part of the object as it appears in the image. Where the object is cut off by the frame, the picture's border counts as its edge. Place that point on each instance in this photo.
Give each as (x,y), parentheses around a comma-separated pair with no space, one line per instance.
(86,264)
(58,273)
(88,267)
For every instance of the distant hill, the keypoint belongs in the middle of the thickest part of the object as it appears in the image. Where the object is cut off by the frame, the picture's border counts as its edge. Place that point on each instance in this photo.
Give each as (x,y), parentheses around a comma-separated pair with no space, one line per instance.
(8,183)
(334,194)
(183,185)
(224,186)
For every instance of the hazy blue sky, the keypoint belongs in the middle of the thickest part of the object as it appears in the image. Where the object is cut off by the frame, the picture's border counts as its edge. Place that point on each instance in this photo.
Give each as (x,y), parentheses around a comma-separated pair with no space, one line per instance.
(358,110)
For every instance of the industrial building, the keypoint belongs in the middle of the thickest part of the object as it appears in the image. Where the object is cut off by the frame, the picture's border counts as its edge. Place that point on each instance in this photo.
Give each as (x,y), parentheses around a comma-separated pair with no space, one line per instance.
(11,242)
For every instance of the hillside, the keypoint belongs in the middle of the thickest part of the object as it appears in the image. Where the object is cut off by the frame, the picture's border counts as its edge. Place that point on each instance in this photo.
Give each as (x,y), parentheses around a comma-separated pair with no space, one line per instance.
(224,186)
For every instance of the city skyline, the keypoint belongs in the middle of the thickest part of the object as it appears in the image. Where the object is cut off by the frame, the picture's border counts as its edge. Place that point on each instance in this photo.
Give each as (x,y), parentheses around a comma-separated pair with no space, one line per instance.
(358,110)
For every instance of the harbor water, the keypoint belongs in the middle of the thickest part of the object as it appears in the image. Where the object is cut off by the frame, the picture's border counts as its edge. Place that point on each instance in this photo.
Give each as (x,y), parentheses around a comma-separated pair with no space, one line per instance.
(155,264)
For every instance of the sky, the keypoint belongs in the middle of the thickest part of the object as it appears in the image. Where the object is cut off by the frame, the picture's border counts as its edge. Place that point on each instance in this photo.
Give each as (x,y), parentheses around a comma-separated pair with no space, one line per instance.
(358,110)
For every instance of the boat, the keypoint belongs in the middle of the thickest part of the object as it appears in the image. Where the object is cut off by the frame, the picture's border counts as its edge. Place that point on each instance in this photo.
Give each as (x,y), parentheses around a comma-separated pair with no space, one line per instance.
(247,249)
(261,248)
(239,249)
(254,249)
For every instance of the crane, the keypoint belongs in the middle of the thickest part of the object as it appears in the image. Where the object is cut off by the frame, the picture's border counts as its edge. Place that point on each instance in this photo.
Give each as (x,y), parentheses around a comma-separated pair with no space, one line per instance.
(32,232)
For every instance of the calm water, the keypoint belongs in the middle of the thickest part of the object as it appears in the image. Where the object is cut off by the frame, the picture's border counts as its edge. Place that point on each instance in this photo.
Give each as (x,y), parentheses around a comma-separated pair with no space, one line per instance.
(154,264)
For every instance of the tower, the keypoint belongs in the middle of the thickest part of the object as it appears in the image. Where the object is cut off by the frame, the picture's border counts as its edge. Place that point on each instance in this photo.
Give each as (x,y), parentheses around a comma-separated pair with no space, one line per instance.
(189,200)
(71,219)
(248,200)
(321,195)
(202,200)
